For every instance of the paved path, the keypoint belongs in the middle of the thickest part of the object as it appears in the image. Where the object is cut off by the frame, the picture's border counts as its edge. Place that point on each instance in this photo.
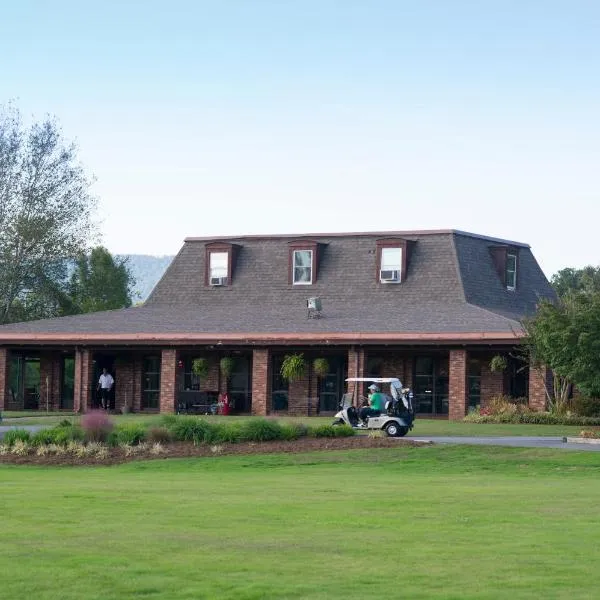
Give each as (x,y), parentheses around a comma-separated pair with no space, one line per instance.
(30,428)
(515,442)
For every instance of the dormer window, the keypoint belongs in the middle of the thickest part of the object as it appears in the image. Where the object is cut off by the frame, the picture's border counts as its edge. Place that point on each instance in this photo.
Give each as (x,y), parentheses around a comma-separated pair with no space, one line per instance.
(392,260)
(303,261)
(220,263)
(218,270)
(304,258)
(511,272)
(391,265)
(506,261)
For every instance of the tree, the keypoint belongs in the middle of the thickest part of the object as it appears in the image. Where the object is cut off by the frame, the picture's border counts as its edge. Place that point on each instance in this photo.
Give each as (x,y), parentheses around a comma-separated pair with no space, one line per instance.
(45,216)
(565,336)
(99,282)
(570,281)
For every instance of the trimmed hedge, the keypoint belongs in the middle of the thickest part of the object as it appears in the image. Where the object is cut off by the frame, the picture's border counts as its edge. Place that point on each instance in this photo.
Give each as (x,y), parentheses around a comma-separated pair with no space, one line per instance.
(199,431)
(533,418)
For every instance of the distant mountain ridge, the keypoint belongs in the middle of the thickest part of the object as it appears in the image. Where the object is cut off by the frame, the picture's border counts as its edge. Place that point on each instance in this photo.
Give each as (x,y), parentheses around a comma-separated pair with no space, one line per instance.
(146,270)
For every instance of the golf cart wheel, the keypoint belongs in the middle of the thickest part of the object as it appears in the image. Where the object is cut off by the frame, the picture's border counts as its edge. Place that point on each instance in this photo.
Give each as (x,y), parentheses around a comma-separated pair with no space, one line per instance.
(395,430)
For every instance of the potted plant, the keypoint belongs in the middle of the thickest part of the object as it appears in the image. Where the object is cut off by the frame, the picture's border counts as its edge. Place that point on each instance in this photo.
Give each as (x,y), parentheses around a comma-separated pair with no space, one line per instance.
(321,367)
(200,367)
(226,365)
(293,367)
(498,363)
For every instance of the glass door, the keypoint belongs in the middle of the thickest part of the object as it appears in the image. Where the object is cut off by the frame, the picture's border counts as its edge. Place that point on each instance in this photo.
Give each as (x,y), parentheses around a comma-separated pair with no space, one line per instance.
(68,382)
(331,386)
(431,383)
(239,385)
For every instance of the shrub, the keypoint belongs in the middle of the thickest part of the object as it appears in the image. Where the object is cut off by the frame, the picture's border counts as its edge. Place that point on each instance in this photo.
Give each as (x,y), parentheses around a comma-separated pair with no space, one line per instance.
(131,433)
(20,448)
(590,433)
(159,435)
(4,450)
(533,418)
(218,433)
(157,448)
(189,429)
(586,407)
(343,431)
(321,431)
(293,431)
(59,436)
(96,425)
(66,423)
(260,430)
(16,435)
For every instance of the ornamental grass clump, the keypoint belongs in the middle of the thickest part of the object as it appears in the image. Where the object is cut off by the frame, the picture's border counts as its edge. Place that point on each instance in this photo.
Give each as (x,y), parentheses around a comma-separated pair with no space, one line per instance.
(189,429)
(16,435)
(260,430)
(97,426)
(159,435)
(20,448)
(131,433)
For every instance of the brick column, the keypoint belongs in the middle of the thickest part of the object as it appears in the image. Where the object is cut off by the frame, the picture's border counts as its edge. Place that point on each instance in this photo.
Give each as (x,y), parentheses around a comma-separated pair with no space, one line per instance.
(168,380)
(4,359)
(538,380)
(492,383)
(210,383)
(83,380)
(357,366)
(124,382)
(299,393)
(261,381)
(458,385)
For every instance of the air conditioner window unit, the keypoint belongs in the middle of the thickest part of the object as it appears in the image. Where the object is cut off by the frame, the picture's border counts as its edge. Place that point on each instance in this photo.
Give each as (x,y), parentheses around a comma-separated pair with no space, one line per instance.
(218,280)
(386,276)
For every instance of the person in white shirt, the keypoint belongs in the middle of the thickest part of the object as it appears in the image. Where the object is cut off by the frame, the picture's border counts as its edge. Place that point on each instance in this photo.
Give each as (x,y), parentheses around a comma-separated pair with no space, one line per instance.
(105,384)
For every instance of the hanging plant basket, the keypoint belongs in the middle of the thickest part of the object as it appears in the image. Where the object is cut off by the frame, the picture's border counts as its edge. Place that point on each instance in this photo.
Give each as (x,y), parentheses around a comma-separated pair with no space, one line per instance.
(498,363)
(293,367)
(321,367)
(200,367)
(227,364)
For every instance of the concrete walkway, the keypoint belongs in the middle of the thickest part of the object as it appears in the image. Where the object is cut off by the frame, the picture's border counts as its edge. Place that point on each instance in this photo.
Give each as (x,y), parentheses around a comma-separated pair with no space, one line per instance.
(30,428)
(514,441)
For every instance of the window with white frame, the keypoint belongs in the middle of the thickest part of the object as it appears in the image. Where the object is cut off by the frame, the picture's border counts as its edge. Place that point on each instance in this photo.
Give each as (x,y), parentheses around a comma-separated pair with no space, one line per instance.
(219,263)
(511,272)
(391,265)
(303,260)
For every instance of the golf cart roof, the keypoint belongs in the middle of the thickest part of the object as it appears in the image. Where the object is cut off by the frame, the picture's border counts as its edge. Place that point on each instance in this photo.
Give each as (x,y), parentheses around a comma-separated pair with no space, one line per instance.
(374,379)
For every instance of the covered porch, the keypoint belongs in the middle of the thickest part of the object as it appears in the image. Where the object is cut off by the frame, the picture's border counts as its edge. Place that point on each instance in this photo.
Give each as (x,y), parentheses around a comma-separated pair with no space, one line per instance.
(446,381)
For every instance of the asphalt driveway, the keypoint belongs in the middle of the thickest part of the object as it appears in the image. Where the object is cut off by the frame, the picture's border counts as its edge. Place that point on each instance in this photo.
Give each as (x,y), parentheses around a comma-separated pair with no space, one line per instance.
(515,442)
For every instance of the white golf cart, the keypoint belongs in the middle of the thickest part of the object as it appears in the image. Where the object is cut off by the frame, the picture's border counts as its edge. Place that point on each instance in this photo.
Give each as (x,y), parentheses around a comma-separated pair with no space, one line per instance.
(397,418)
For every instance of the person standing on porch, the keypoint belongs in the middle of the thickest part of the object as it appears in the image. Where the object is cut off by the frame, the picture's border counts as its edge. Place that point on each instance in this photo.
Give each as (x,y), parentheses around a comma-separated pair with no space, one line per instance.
(105,384)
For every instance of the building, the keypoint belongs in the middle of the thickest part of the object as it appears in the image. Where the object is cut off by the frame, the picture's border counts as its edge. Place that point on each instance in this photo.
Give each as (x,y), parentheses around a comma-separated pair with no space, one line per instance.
(431,307)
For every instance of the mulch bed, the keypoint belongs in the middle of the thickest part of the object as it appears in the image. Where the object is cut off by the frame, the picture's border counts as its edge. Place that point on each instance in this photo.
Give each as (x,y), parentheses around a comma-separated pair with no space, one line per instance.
(184,450)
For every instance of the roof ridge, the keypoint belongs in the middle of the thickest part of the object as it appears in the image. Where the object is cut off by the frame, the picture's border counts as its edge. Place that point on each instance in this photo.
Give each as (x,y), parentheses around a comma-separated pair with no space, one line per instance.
(342,234)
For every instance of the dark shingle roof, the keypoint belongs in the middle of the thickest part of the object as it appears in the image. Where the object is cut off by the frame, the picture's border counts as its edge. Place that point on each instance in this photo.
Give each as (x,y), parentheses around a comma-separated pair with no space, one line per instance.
(451,287)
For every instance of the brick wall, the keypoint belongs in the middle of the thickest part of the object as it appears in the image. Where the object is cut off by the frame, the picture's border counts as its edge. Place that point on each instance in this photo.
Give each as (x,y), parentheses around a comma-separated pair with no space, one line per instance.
(458,385)
(83,380)
(538,380)
(4,358)
(356,362)
(168,380)
(299,393)
(492,384)
(210,383)
(261,380)
(124,382)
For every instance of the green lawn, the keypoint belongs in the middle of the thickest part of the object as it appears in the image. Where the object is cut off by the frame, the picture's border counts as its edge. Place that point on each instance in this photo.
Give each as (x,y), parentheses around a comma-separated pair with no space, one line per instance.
(423,427)
(431,522)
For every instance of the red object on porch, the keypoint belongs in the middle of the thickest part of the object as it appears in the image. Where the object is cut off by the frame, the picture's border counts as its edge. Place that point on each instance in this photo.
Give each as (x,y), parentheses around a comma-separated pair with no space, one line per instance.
(224,407)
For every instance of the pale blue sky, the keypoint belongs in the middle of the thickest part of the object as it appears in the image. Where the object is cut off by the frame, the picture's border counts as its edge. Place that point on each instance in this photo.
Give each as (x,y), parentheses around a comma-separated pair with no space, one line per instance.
(234,117)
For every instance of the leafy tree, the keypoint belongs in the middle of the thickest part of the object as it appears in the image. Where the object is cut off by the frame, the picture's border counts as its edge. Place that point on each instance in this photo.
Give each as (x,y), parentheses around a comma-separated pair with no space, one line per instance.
(45,216)
(571,281)
(565,336)
(99,282)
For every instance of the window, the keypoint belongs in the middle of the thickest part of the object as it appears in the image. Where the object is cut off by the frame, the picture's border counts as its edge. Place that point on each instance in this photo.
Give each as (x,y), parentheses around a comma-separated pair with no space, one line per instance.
(391,265)
(279,386)
(474,380)
(511,271)
(68,382)
(303,261)
(218,270)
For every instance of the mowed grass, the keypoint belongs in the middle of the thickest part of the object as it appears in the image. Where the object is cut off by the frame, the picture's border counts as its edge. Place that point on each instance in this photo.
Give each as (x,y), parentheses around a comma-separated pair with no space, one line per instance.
(431,522)
(423,427)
